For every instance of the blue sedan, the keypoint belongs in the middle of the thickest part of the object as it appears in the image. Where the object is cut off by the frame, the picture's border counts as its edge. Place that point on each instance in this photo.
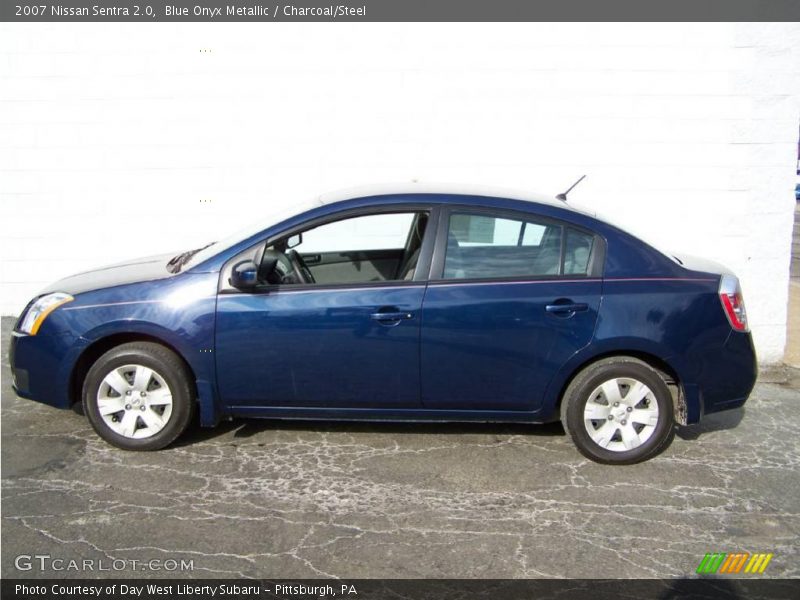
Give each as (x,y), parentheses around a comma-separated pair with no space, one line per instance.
(401,305)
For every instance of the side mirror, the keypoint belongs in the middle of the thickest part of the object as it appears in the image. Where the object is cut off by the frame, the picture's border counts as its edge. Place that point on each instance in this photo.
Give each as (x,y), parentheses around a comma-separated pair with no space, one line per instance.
(294,240)
(244,275)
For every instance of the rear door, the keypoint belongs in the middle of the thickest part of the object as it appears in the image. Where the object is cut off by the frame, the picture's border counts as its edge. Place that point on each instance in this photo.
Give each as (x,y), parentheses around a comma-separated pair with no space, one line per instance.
(511,298)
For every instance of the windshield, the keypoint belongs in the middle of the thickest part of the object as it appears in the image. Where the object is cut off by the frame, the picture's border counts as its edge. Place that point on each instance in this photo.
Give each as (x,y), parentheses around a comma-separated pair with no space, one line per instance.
(195,257)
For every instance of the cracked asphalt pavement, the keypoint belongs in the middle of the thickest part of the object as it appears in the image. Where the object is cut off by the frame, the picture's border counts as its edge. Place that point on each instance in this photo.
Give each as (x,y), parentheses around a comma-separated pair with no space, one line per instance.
(272,499)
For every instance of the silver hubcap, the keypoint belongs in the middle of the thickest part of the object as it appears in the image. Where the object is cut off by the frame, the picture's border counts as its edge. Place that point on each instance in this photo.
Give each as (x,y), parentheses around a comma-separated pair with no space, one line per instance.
(134,401)
(621,414)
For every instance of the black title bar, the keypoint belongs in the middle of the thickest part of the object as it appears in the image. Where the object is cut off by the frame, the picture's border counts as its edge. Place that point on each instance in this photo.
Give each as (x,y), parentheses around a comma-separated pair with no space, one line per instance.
(66,11)
(406,589)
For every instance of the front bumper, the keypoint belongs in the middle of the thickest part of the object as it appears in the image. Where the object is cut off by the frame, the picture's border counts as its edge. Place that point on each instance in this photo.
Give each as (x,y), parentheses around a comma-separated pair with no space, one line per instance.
(41,367)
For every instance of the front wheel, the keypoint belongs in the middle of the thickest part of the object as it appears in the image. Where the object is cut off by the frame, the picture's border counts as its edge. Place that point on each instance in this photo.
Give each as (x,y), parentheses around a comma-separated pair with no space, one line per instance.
(618,411)
(138,396)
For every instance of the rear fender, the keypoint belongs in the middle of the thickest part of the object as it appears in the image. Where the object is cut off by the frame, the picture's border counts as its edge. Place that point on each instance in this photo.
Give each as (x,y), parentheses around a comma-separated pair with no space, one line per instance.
(687,402)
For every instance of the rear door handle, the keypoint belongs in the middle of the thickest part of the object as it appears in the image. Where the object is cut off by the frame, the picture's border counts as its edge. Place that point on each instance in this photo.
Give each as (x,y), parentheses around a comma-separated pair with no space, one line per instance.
(560,309)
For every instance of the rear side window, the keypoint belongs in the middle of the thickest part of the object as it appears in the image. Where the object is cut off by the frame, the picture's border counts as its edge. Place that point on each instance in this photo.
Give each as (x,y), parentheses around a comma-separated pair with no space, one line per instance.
(480,246)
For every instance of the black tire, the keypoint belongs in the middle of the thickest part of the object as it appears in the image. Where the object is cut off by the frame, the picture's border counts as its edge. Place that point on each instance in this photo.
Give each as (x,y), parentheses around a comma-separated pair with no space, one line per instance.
(168,366)
(579,391)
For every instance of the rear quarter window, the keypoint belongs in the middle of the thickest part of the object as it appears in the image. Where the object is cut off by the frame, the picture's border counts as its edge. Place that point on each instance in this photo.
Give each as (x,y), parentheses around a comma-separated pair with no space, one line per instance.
(577,252)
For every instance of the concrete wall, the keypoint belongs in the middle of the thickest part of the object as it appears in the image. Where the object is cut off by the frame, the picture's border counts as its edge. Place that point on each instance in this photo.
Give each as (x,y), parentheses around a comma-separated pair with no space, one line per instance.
(124,140)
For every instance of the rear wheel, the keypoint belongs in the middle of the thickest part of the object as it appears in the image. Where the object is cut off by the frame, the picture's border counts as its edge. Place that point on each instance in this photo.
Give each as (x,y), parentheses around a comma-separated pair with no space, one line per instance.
(138,396)
(618,411)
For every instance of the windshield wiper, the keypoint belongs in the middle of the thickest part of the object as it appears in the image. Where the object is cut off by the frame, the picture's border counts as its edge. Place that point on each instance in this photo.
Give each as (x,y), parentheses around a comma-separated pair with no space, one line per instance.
(176,262)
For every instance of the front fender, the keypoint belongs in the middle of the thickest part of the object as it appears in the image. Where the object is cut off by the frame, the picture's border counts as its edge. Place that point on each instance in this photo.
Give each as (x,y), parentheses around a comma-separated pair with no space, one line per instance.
(182,344)
(180,314)
(196,350)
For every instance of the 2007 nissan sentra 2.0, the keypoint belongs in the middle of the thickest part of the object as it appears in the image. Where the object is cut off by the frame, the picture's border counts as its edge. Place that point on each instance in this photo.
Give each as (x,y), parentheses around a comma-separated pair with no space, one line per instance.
(402,305)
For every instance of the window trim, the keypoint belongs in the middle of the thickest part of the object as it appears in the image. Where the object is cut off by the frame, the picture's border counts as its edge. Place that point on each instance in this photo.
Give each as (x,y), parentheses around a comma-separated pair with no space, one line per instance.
(257,250)
(595,263)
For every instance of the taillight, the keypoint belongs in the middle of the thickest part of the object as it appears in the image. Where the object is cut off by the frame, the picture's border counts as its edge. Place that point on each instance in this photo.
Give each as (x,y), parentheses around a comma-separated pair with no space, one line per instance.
(730,294)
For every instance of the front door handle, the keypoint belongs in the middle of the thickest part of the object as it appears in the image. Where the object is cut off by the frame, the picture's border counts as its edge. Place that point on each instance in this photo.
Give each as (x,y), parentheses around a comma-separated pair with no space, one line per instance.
(566,308)
(383,317)
(390,316)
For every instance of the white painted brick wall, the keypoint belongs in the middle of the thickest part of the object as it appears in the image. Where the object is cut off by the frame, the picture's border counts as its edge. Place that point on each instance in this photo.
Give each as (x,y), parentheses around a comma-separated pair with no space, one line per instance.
(111,135)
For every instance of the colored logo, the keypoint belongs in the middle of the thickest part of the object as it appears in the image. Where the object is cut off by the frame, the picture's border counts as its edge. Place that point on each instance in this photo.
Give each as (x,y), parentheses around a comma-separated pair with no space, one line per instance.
(739,562)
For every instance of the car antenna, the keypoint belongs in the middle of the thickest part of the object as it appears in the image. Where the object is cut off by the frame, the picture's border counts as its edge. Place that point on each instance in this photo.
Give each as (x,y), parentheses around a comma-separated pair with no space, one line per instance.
(563,197)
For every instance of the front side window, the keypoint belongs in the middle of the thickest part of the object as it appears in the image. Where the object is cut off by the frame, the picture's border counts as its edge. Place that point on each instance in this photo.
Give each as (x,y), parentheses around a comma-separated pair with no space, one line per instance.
(481,246)
(370,232)
(362,249)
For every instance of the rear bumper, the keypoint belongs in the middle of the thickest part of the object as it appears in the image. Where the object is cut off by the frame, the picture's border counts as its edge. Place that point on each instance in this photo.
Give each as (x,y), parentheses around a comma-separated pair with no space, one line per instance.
(41,366)
(728,377)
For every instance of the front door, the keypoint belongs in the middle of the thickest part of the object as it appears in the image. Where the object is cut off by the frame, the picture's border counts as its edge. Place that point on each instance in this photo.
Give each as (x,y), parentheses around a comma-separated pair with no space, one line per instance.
(348,341)
(511,304)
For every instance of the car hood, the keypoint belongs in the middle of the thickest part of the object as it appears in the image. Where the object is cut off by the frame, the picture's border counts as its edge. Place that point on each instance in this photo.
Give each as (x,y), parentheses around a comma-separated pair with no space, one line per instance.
(132,271)
(696,263)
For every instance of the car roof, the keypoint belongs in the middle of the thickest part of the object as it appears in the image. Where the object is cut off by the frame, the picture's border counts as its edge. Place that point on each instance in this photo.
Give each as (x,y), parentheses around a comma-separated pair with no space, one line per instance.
(445,189)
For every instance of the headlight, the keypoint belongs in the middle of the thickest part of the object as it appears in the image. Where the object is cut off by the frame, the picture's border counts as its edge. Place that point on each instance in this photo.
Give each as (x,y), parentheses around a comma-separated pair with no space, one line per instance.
(38,311)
